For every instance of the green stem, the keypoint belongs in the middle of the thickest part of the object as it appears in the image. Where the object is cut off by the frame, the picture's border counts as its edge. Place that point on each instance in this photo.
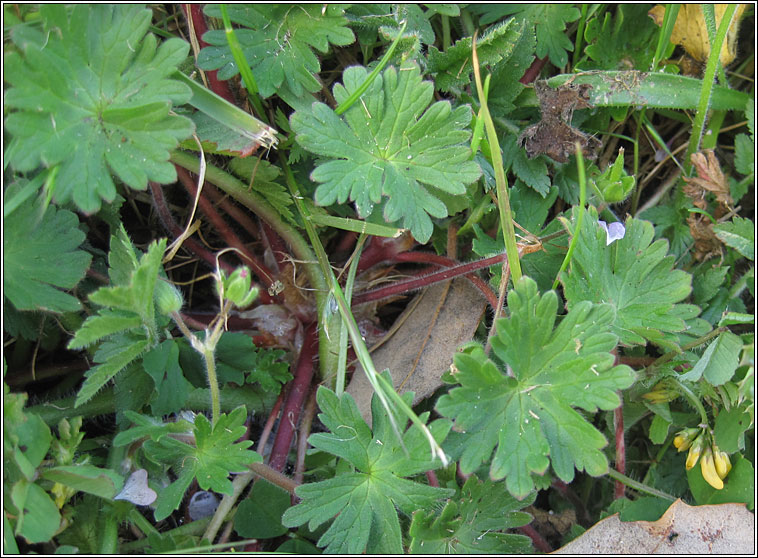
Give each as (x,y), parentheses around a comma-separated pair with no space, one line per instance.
(194,528)
(638,486)
(503,200)
(708,83)
(108,522)
(296,242)
(580,217)
(694,400)
(696,343)
(242,65)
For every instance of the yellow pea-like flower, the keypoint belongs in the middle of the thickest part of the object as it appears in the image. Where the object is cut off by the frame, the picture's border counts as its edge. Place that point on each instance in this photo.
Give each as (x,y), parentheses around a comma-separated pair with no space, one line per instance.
(722,462)
(708,468)
(683,440)
(695,450)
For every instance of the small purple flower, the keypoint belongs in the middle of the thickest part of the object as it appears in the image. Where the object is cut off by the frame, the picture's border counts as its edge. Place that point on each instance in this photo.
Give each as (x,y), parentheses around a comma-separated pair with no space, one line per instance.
(614,231)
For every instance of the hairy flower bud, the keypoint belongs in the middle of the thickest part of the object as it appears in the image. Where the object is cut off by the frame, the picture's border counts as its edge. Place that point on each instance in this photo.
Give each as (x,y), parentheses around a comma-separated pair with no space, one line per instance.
(167,297)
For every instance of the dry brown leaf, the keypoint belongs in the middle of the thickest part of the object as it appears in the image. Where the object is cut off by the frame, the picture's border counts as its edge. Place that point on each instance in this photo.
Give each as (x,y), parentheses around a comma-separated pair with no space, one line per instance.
(683,529)
(422,348)
(710,178)
(707,244)
(690,31)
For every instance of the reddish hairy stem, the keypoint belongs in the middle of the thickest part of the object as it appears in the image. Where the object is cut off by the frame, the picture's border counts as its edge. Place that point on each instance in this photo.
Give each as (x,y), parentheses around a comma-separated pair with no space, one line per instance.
(302,439)
(161,207)
(455,270)
(618,424)
(222,200)
(539,543)
(199,26)
(230,237)
(295,398)
(431,476)
(533,71)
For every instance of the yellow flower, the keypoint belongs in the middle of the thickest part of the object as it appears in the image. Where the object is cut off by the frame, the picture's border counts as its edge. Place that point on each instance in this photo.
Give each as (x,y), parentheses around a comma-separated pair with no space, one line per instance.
(708,468)
(683,439)
(722,462)
(695,450)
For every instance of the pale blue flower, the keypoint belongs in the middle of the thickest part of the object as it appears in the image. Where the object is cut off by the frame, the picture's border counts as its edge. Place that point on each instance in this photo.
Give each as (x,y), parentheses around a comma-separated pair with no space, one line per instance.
(614,231)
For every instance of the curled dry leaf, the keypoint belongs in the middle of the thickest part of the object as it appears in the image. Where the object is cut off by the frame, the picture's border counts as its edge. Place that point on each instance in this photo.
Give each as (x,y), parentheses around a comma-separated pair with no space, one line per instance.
(683,529)
(709,178)
(690,31)
(422,347)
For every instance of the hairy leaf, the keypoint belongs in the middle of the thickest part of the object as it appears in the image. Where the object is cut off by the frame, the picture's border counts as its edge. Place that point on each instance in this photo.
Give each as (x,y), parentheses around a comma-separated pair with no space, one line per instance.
(95,102)
(634,276)
(389,145)
(452,68)
(39,254)
(278,42)
(528,414)
(549,21)
(366,499)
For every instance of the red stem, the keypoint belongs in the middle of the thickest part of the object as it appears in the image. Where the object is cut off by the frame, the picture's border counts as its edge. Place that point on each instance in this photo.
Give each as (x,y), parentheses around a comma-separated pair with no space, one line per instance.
(533,71)
(539,543)
(232,210)
(200,27)
(618,423)
(294,403)
(455,270)
(161,207)
(230,237)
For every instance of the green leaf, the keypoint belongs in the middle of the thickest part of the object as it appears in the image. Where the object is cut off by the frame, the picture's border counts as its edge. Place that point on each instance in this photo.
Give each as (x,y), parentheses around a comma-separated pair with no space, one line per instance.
(452,68)
(549,21)
(533,172)
(719,361)
(38,518)
(659,429)
(729,428)
(262,176)
(472,523)
(260,515)
(40,256)
(114,355)
(364,501)
(103,483)
(385,147)
(621,39)
(104,324)
(95,103)
(634,276)
(171,388)
(215,455)
(739,485)
(278,42)
(739,233)
(529,414)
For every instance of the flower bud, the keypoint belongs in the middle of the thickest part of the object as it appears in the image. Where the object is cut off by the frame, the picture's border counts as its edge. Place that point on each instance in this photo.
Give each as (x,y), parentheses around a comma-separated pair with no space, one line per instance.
(708,468)
(694,454)
(683,439)
(167,297)
(237,289)
(663,392)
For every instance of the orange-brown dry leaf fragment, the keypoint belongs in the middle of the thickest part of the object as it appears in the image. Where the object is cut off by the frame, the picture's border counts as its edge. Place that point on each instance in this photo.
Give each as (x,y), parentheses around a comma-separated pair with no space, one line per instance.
(709,178)
(690,31)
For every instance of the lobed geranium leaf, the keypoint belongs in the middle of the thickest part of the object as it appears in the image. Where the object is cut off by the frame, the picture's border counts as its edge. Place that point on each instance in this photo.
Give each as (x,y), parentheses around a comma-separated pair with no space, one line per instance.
(93,102)
(529,413)
(277,41)
(473,523)
(40,256)
(216,453)
(390,145)
(365,500)
(634,276)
